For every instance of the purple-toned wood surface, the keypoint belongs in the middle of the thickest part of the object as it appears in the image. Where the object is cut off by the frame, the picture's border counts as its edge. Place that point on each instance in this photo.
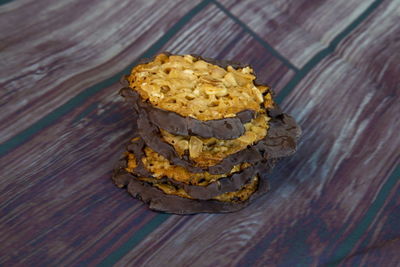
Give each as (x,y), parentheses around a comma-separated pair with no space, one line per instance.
(70,46)
(334,65)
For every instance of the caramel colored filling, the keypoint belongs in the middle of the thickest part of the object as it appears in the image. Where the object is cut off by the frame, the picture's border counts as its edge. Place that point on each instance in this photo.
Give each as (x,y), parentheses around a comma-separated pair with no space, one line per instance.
(192,87)
(241,195)
(160,167)
(237,196)
(207,152)
(132,164)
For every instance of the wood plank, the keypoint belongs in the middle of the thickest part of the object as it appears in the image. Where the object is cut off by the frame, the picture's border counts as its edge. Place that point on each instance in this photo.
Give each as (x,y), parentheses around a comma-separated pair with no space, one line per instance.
(348,151)
(65,182)
(69,46)
(55,190)
(386,254)
(382,240)
(297,29)
(374,47)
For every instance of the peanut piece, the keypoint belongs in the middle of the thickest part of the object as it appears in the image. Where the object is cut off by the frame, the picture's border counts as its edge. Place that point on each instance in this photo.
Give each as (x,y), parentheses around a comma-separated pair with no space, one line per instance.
(195,147)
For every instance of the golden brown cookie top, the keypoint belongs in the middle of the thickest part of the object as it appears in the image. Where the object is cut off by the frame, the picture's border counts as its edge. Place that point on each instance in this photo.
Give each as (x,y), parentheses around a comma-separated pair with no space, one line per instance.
(193,87)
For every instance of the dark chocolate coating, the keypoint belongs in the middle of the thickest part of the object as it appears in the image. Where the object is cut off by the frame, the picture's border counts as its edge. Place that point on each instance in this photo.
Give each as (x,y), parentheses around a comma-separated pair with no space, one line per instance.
(227,184)
(159,201)
(228,128)
(280,141)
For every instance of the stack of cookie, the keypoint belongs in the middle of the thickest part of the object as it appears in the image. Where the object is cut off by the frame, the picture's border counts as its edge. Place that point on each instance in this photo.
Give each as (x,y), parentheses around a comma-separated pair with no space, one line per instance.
(206,132)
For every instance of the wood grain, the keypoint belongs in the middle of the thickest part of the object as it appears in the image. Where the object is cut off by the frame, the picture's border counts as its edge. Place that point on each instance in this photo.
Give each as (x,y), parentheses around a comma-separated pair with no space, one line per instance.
(69,46)
(374,47)
(347,151)
(62,183)
(238,46)
(374,256)
(297,29)
(382,238)
(334,202)
(56,188)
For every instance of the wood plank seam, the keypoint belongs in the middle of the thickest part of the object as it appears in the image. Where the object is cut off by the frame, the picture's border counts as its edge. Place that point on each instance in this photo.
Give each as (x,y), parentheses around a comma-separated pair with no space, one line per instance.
(350,242)
(267,46)
(346,247)
(46,121)
(364,246)
(325,52)
(134,240)
(3,2)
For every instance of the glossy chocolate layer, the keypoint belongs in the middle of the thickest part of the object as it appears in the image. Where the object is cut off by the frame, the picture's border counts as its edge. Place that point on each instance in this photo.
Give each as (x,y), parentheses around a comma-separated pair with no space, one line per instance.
(230,183)
(280,141)
(159,201)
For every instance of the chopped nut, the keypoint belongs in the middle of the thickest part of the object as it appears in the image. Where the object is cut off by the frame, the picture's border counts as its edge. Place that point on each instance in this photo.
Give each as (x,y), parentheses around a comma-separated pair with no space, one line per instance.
(210,80)
(230,79)
(268,102)
(247,70)
(165,89)
(258,94)
(240,80)
(218,73)
(183,145)
(263,88)
(213,90)
(188,58)
(195,146)
(201,64)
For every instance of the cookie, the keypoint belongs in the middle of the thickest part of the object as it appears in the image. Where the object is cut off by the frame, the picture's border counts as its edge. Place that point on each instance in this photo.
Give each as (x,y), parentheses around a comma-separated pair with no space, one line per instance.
(208,132)
(158,200)
(141,161)
(199,96)
(280,141)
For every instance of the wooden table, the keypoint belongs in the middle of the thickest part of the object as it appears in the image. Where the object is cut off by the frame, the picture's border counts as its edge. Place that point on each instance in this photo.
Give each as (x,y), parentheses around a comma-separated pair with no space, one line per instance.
(335,66)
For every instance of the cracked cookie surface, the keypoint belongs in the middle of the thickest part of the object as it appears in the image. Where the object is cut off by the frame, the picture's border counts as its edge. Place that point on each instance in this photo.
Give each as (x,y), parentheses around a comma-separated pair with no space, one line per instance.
(193,87)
